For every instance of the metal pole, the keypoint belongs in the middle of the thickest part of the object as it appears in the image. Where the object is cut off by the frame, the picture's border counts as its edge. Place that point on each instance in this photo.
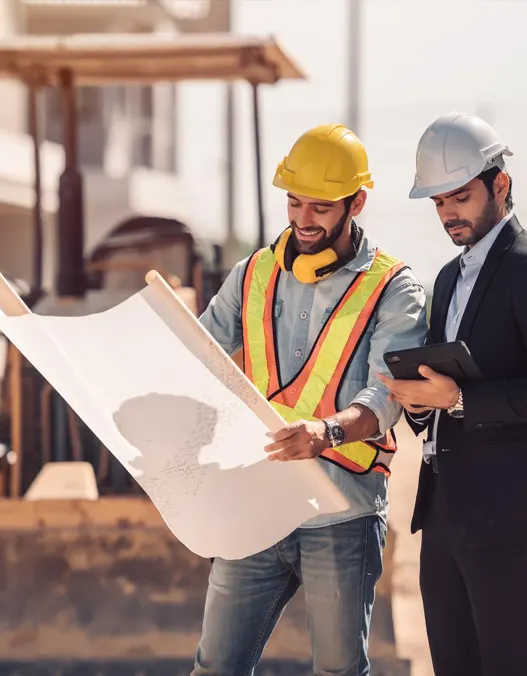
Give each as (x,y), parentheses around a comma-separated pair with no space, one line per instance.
(225,24)
(258,161)
(71,278)
(230,211)
(355,30)
(34,125)
(16,362)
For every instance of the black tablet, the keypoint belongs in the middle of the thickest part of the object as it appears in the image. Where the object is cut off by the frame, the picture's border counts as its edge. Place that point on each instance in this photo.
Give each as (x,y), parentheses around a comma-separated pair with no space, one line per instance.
(450,359)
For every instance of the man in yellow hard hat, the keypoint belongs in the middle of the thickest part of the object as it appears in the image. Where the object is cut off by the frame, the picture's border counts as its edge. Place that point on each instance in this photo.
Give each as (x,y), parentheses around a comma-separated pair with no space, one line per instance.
(314,313)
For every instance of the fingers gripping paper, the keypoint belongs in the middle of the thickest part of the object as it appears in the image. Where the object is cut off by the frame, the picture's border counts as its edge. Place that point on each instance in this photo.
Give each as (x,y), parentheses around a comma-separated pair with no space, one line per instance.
(179,415)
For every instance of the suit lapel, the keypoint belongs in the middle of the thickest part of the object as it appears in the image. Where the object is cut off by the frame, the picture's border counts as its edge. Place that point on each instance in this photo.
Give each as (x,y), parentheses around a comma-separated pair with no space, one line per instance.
(504,240)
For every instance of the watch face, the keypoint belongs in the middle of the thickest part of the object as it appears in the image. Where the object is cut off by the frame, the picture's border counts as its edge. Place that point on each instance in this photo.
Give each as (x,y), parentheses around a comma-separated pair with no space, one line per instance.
(337,434)
(457,413)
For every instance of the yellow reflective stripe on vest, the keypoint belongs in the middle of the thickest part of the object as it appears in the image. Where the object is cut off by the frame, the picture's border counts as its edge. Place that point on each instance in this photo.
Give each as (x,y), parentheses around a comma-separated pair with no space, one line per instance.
(339,333)
(254,317)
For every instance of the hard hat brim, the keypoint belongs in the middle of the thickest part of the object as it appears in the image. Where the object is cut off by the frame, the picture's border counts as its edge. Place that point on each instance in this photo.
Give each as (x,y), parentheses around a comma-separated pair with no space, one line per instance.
(420,192)
(433,191)
(312,193)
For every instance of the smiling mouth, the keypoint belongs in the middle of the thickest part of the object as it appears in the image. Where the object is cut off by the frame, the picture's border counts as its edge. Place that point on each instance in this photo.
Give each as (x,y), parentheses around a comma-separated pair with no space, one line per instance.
(307,234)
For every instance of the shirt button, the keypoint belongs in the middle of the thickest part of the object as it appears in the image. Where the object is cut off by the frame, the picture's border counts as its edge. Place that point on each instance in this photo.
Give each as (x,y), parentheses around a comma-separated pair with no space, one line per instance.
(303,315)
(298,353)
(468,287)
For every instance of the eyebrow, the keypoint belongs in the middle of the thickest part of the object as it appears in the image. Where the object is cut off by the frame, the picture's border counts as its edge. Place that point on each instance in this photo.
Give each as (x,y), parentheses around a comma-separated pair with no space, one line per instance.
(314,203)
(453,193)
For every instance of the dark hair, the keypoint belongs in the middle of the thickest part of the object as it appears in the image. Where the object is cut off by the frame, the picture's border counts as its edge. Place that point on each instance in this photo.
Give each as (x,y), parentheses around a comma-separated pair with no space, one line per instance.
(488,177)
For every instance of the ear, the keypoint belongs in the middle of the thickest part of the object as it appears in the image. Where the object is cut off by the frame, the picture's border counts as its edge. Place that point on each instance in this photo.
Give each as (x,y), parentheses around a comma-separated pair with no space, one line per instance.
(358,203)
(501,185)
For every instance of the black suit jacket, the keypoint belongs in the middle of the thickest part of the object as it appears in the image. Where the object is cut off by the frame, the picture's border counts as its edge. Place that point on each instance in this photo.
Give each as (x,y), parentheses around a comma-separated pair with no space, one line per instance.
(482,458)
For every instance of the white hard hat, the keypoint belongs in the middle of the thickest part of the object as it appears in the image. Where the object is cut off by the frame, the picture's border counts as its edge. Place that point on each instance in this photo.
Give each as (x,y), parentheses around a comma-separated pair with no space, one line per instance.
(453,150)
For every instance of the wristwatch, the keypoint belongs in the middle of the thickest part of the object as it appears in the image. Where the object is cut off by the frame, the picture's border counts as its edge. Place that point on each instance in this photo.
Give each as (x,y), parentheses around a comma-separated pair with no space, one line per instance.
(335,432)
(457,410)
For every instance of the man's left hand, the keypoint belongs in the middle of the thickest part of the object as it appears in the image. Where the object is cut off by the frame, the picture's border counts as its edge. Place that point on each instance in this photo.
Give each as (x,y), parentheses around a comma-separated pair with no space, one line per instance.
(436,391)
(302,440)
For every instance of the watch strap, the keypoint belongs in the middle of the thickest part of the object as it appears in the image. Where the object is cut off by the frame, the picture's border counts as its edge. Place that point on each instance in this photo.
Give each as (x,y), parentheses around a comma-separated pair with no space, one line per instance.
(457,410)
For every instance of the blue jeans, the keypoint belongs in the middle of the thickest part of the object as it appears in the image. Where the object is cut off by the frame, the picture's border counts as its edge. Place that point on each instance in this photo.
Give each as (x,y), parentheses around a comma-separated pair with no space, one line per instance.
(338,567)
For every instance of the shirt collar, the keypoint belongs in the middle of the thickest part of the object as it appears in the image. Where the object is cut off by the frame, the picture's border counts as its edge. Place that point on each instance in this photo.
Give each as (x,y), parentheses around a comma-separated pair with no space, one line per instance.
(478,254)
(365,255)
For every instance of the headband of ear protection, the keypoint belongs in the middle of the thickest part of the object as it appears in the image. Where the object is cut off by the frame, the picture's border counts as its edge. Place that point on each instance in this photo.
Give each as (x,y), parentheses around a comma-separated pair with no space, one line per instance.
(307,268)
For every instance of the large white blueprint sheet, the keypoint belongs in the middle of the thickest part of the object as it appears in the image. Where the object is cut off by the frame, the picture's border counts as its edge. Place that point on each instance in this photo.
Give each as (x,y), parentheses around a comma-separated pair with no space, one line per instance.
(180,416)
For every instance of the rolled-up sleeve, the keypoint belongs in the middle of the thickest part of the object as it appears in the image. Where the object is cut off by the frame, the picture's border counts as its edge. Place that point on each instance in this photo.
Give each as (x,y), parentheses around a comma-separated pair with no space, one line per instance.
(400,323)
(223,316)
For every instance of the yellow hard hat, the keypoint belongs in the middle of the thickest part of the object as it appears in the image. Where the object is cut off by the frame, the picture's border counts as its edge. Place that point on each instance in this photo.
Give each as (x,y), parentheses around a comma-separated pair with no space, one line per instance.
(327,162)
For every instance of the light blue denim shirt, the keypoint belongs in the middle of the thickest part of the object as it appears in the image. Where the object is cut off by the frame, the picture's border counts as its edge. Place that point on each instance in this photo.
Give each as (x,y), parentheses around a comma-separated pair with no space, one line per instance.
(300,312)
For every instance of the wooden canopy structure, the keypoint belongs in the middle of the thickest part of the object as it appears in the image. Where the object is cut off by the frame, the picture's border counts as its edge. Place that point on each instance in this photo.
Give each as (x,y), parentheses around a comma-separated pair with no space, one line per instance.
(109,58)
(97,60)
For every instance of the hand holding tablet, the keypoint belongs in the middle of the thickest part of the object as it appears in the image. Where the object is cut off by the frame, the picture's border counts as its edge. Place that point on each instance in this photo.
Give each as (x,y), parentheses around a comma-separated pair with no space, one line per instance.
(450,359)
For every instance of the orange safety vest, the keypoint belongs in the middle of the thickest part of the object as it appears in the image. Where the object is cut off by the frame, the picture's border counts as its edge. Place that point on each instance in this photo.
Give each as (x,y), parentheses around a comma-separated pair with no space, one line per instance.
(312,393)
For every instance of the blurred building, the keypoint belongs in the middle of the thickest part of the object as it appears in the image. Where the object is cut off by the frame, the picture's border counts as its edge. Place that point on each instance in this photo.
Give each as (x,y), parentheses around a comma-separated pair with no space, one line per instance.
(134,154)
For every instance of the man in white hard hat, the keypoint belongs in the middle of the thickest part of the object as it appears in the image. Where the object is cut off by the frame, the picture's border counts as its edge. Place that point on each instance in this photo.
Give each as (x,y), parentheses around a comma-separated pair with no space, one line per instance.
(472,498)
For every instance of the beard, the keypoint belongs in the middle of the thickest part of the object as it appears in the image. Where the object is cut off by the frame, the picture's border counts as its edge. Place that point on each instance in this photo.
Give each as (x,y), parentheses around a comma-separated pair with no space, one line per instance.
(322,239)
(473,231)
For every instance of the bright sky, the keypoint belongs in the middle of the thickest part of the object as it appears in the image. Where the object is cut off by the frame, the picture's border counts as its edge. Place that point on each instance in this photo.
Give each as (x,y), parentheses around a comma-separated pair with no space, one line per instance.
(420,58)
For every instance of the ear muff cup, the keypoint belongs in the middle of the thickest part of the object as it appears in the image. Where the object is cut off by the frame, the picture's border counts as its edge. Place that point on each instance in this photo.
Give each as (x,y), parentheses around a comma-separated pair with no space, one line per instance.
(284,250)
(307,268)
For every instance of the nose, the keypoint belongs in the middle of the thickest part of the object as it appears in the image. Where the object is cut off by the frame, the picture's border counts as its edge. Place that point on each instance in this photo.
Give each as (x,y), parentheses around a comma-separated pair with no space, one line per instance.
(304,217)
(448,213)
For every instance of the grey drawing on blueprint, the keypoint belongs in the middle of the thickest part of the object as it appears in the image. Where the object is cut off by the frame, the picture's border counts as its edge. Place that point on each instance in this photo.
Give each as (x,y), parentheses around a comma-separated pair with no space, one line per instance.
(169,432)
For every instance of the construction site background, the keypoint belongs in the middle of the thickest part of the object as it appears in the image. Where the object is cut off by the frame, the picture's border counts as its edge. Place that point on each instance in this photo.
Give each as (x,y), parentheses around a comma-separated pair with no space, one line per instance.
(99,586)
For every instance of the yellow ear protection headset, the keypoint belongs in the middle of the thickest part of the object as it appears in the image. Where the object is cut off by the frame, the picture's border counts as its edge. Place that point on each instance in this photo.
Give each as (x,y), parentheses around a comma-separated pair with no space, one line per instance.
(309,268)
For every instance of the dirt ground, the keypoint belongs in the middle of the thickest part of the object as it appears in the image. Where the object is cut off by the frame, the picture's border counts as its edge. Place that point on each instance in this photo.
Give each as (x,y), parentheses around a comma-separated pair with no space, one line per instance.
(406,600)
